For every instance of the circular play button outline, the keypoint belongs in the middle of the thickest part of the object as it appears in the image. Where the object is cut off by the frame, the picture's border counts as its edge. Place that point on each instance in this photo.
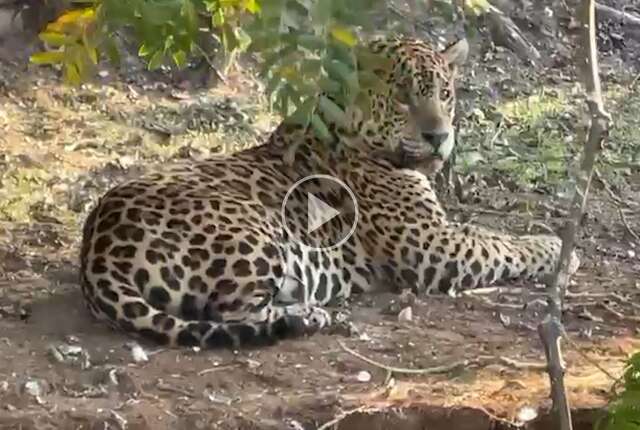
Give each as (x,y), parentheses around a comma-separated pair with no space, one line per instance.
(310,195)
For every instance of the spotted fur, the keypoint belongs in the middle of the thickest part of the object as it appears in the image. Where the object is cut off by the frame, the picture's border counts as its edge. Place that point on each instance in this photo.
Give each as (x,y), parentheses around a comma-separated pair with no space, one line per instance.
(196,254)
(409,122)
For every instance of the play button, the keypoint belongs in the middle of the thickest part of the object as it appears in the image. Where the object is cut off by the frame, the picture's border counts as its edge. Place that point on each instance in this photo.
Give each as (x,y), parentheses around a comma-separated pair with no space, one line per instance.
(320,212)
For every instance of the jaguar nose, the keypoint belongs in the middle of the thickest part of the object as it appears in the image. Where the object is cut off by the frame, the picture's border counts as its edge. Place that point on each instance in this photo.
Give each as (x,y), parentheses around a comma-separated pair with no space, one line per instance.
(435,139)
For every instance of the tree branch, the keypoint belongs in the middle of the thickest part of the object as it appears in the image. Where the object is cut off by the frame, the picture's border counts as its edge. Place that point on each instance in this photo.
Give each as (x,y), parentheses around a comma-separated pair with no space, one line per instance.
(551,329)
(617,15)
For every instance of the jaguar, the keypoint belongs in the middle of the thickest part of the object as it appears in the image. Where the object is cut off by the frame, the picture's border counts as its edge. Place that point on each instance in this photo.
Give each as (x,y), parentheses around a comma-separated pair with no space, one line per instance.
(200,254)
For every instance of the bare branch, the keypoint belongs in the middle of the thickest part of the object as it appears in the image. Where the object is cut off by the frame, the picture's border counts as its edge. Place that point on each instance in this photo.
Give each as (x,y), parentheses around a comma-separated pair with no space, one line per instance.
(617,15)
(550,331)
(506,33)
(551,328)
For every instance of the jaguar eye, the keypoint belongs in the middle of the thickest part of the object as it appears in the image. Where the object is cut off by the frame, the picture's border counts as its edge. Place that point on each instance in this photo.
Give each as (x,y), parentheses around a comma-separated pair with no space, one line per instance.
(446,94)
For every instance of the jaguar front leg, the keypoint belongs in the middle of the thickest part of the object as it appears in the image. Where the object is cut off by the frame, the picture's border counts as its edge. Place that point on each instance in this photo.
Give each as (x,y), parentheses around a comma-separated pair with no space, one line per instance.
(461,256)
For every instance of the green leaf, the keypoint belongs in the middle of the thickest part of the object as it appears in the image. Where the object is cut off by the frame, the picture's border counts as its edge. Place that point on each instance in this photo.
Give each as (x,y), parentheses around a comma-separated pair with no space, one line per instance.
(180,58)
(338,69)
(51,57)
(332,112)
(145,50)
(90,47)
(368,60)
(477,7)
(329,85)
(307,4)
(344,35)
(243,38)
(168,43)
(112,52)
(272,84)
(190,13)
(302,115)
(311,66)
(217,18)
(72,74)
(321,13)
(368,79)
(159,13)
(156,60)
(291,18)
(311,41)
(56,39)
(252,6)
(320,128)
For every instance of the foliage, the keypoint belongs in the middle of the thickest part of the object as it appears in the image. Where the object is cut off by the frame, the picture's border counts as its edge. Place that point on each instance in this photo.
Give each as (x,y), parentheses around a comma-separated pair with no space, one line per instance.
(624,411)
(531,138)
(308,49)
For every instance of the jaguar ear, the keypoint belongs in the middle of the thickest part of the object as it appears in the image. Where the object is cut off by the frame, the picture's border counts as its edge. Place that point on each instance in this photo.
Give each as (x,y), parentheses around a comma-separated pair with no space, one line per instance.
(456,53)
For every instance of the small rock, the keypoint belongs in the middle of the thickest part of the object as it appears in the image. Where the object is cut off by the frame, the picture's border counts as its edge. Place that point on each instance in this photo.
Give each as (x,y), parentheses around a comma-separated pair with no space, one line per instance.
(120,421)
(364,337)
(293,425)
(341,317)
(70,354)
(72,340)
(138,354)
(33,388)
(405,315)
(363,376)
(504,319)
(407,298)
(253,364)
(346,329)
(526,414)
(217,398)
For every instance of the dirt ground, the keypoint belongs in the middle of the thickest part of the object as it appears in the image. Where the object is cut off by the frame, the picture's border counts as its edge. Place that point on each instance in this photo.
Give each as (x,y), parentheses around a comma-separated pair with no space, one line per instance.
(61,147)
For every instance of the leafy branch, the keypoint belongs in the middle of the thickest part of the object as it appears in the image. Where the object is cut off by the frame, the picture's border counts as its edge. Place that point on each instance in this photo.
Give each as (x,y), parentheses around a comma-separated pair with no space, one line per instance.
(624,411)
(308,51)
(306,47)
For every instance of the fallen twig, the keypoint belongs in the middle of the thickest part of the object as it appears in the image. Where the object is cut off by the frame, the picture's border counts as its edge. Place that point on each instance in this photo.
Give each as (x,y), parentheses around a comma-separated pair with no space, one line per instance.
(214,369)
(627,227)
(540,225)
(617,15)
(619,205)
(480,361)
(162,386)
(207,58)
(506,33)
(620,315)
(461,207)
(634,82)
(509,291)
(446,368)
(508,306)
(591,361)
(587,295)
(625,300)
(522,365)
(613,196)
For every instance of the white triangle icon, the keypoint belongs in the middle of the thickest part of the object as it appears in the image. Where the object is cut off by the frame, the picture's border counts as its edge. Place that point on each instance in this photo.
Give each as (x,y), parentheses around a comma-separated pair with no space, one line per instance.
(318,212)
